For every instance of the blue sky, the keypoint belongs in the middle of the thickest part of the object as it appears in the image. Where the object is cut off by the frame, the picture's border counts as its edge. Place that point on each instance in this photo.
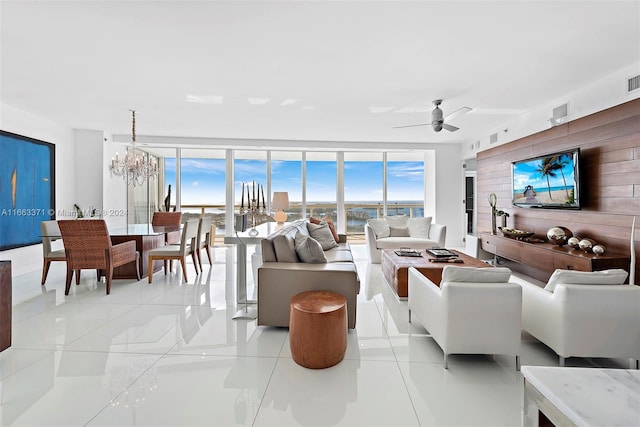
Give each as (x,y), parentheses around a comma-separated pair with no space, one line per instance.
(203,180)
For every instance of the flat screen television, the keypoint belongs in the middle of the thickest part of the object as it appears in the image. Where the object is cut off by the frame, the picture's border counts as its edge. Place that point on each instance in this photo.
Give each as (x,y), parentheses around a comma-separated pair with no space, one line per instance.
(549,181)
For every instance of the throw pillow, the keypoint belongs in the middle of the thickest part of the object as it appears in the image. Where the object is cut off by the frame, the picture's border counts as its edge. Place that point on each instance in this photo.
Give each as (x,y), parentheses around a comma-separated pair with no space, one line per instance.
(313,220)
(322,234)
(419,227)
(615,276)
(398,231)
(380,227)
(451,273)
(309,250)
(332,227)
(285,248)
(397,221)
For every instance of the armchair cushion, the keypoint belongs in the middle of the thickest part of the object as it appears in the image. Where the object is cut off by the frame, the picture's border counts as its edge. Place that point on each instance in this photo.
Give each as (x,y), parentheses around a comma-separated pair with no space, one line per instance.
(452,273)
(309,250)
(398,231)
(419,227)
(380,227)
(572,277)
(397,220)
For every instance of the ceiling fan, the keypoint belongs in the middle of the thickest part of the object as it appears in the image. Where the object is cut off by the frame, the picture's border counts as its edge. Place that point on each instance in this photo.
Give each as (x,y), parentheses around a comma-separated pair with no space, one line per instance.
(437,121)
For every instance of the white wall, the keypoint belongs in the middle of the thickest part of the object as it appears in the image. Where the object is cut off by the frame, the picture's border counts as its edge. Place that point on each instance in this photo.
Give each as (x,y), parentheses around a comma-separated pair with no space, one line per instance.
(450,210)
(597,96)
(29,258)
(88,171)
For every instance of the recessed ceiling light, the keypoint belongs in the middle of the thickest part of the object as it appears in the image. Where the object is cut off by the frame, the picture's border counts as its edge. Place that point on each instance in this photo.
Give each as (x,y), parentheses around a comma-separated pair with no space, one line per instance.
(258,101)
(205,99)
(288,102)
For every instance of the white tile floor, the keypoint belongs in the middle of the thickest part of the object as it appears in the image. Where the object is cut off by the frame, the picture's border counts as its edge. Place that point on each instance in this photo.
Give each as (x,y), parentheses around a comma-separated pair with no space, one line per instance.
(168,353)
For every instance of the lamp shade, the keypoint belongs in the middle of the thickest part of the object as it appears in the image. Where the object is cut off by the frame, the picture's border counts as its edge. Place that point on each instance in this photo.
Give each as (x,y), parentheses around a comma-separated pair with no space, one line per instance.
(280,200)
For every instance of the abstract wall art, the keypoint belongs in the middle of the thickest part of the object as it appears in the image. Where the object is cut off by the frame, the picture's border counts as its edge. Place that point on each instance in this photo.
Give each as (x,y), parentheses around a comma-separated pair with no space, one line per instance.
(27,189)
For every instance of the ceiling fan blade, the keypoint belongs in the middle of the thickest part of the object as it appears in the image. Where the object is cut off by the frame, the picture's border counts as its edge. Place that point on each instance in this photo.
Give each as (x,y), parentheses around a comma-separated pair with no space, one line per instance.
(458,112)
(449,127)
(410,126)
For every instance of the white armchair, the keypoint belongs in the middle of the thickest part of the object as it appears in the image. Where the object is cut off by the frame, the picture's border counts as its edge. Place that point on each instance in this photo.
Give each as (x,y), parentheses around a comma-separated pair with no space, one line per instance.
(584,314)
(393,232)
(473,311)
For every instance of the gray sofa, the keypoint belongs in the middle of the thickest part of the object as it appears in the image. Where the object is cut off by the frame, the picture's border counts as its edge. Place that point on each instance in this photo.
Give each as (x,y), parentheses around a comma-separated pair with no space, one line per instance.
(282,275)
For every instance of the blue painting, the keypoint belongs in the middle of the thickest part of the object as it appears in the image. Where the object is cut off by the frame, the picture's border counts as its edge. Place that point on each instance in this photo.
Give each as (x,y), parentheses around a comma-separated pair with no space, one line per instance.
(27,189)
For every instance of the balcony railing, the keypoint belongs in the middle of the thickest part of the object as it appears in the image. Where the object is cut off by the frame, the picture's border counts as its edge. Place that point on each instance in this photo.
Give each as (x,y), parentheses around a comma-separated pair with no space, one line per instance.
(356,214)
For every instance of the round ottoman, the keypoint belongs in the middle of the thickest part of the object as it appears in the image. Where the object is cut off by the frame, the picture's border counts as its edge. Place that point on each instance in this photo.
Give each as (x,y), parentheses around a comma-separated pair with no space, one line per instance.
(318,328)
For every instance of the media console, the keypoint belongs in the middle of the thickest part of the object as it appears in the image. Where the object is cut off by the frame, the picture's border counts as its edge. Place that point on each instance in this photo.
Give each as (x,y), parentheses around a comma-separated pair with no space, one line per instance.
(539,260)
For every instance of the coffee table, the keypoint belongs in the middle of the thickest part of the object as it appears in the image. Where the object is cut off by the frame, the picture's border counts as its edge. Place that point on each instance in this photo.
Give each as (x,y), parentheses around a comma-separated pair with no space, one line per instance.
(395,268)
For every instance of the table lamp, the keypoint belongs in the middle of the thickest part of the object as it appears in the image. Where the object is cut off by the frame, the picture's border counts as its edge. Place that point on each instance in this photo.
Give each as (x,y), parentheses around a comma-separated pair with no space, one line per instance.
(279,203)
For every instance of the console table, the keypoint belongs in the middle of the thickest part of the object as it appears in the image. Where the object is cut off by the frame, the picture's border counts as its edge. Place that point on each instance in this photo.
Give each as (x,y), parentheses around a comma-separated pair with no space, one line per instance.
(543,258)
(5,304)
(241,240)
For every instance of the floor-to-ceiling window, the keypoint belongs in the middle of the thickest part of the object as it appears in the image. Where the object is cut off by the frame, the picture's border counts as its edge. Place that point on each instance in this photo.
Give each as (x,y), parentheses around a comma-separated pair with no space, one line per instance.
(372,183)
(250,170)
(141,198)
(321,173)
(405,184)
(286,175)
(363,189)
(202,185)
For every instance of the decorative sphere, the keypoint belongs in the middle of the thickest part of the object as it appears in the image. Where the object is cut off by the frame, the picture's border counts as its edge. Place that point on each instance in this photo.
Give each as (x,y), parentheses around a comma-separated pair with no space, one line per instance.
(559,235)
(573,242)
(586,245)
(598,249)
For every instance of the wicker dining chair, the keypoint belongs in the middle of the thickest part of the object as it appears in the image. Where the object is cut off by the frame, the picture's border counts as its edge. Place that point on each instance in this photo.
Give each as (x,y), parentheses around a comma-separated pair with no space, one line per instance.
(204,239)
(165,219)
(50,233)
(180,252)
(88,246)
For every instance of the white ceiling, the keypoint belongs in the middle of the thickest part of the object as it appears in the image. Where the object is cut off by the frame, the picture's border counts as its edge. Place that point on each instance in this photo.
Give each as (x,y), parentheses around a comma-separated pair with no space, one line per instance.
(305,70)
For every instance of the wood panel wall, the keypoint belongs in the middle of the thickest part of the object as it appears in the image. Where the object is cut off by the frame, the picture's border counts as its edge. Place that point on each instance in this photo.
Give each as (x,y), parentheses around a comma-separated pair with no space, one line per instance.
(609,171)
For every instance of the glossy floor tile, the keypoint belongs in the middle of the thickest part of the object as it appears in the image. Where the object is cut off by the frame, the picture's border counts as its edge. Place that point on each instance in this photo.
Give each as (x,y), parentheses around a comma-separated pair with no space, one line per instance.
(170,354)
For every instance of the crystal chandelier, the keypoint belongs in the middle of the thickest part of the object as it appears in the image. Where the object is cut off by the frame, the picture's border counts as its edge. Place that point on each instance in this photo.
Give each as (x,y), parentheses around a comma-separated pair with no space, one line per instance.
(134,168)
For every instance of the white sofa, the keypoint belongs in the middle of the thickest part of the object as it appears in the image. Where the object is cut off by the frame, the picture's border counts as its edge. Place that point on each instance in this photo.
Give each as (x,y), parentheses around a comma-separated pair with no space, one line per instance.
(584,314)
(393,232)
(473,311)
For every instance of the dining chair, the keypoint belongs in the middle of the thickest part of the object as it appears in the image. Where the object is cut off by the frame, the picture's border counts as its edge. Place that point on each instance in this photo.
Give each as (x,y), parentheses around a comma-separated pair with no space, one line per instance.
(180,252)
(88,246)
(204,239)
(50,233)
(168,219)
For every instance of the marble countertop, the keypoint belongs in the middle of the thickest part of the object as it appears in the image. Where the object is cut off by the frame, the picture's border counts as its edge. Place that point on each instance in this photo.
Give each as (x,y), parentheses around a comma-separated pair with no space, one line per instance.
(590,396)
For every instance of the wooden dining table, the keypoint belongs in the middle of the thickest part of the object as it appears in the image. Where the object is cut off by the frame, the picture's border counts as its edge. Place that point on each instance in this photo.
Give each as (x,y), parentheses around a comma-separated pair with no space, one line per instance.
(147,237)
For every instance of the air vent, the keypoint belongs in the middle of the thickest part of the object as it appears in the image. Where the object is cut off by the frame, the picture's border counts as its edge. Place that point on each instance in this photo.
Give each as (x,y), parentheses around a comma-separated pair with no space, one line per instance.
(493,138)
(561,111)
(633,83)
